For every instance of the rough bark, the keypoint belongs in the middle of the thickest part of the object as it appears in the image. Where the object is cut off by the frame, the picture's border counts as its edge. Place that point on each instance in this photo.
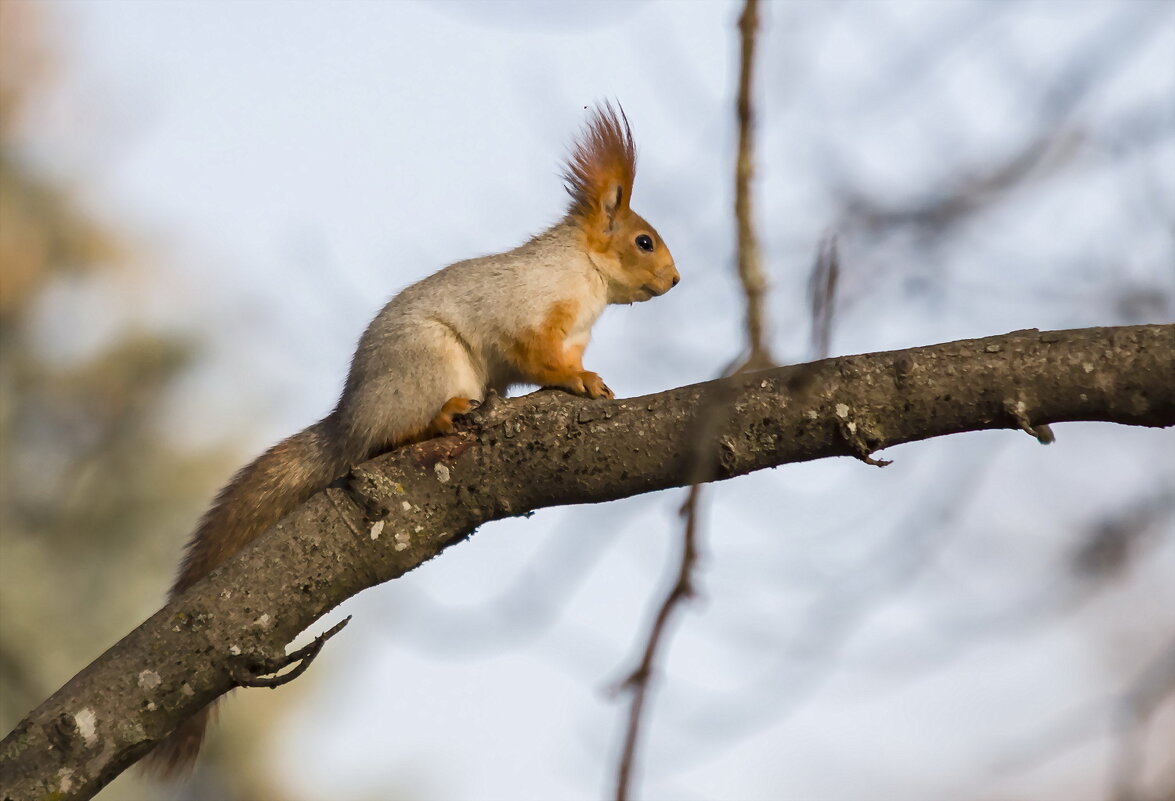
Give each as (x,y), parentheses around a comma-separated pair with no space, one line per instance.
(401,509)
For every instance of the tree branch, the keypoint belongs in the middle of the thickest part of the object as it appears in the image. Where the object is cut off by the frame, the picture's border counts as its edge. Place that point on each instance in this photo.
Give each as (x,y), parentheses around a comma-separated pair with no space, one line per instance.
(397,511)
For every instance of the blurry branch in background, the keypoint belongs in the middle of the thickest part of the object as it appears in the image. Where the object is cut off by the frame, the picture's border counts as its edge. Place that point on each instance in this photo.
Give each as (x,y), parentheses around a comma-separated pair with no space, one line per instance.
(750,265)
(1101,555)
(1038,158)
(1114,542)
(1056,139)
(757,357)
(1100,559)
(1126,715)
(1135,708)
(638,682)
(822,296)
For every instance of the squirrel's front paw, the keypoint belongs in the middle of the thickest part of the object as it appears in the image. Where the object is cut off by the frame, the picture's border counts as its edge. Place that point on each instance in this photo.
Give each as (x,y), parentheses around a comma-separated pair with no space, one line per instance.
(594,386)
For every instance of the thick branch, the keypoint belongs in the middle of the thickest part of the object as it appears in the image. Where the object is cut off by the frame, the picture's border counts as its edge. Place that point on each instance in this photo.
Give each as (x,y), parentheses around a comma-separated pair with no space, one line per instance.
(397,511)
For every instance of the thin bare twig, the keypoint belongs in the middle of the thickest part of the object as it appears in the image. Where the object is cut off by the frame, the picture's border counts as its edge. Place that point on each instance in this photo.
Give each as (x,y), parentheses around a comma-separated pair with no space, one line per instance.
(822,295)
(267,674)
(639,680)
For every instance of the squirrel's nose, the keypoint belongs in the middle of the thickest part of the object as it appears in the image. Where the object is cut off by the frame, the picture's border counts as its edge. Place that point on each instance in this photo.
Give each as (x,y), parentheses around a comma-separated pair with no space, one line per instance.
(676,278)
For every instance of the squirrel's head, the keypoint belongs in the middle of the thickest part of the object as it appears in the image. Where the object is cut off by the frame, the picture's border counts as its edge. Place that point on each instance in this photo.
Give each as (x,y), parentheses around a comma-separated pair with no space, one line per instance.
(628,252)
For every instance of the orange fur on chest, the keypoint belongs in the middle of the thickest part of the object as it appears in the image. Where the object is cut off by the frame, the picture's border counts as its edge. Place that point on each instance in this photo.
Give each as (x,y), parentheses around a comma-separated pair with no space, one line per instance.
(541,354)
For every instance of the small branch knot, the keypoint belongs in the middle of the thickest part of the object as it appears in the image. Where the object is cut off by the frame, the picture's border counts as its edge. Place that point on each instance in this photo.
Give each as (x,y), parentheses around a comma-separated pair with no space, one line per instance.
(855,436)
(1019,413)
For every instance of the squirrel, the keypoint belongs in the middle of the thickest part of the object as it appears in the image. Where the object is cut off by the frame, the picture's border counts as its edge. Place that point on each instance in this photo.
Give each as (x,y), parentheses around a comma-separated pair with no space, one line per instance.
(440,345)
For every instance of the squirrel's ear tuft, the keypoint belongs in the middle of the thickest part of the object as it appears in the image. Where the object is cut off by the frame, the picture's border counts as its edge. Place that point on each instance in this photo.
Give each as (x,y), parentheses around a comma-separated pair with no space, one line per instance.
(601,168)
(615,200)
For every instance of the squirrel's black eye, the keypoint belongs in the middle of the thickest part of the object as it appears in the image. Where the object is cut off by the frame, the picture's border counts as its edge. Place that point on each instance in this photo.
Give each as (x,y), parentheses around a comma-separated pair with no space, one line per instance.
(645,242)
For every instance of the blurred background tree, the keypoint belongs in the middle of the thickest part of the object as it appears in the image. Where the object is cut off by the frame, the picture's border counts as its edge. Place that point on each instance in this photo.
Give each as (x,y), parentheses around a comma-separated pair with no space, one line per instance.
(94,491)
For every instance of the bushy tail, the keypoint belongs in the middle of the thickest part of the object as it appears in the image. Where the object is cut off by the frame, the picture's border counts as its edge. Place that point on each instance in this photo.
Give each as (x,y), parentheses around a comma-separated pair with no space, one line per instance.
(260,495)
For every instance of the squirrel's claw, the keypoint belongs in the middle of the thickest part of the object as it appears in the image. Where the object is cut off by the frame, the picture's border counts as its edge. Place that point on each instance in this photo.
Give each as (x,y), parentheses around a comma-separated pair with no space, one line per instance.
(594,386)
